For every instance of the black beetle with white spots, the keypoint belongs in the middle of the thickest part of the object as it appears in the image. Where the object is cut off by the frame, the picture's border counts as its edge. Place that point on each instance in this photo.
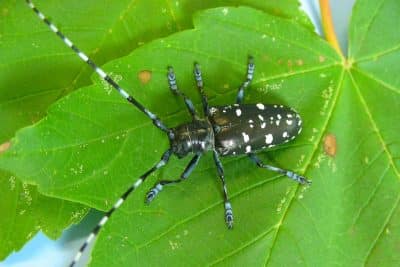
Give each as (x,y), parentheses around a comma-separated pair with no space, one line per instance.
(230,130)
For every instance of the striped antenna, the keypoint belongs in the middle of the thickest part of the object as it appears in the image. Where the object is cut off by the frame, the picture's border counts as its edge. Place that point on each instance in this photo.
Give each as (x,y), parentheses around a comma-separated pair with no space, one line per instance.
(156,121)
(124,94)
(164,159)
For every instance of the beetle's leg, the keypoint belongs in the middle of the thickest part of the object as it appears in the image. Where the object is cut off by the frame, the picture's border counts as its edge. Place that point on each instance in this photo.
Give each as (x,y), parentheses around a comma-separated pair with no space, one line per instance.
(159,186)
(227,203)
(174,88)
(164,160)
(199,83)
(246,83)
(288,173)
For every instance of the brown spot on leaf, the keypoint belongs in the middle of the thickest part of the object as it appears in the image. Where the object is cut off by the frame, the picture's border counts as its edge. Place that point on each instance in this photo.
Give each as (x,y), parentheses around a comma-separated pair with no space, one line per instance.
(321,59)
(330,145)
(4,147)
(300,62)
(144,76)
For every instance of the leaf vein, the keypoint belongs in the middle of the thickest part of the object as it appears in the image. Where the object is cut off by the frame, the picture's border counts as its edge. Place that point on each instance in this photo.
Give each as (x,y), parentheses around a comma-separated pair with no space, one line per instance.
(374,126)
(386,85)
(307,165)
(372,18)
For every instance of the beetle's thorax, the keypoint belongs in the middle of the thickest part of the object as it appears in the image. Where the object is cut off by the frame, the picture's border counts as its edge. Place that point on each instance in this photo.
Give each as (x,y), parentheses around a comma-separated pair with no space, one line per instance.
(193,137)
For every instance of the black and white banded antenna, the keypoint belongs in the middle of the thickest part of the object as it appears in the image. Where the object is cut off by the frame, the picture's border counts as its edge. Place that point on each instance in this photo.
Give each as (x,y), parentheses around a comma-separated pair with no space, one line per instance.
(156,121)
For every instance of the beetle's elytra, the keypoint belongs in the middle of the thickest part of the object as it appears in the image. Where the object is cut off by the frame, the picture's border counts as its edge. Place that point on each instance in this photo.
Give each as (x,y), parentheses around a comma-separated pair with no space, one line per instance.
(225,131)
(248,128)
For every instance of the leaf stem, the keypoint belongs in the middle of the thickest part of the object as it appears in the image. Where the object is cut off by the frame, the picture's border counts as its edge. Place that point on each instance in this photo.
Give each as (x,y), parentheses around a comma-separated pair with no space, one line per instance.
(327,25)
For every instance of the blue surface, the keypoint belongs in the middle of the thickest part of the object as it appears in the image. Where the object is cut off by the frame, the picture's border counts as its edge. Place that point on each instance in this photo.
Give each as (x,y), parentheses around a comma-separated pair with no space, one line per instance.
(41,251)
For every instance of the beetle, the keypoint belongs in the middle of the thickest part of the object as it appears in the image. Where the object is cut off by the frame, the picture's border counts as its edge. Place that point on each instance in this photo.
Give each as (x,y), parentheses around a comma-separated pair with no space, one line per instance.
(230,130)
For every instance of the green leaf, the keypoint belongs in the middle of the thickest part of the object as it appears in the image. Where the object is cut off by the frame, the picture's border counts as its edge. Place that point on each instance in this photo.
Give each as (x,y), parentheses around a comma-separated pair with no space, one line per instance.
(103,29)
(26,212)
(95,145)
(71,155)
(28,50)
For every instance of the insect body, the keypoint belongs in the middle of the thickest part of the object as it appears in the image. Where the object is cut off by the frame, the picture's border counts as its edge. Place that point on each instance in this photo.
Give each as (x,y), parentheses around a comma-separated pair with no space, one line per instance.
(243,129)
(225,131)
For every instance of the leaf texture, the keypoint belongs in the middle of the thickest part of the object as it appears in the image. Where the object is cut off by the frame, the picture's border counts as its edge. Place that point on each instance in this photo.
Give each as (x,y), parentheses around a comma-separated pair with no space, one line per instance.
(93,145)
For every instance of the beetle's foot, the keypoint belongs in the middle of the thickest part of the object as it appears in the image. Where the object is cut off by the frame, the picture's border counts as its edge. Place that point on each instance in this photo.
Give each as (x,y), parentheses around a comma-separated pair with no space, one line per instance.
(153,193)
(298,178)
(228,215)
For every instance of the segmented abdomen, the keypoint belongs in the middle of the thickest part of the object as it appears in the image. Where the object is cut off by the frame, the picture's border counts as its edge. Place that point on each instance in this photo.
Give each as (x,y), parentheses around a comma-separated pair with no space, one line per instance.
(246,128)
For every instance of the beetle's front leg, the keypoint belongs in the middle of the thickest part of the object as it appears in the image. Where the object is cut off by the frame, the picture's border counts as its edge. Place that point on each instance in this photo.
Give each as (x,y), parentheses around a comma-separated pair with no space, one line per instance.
(159,186)
(174,88)
(246,83)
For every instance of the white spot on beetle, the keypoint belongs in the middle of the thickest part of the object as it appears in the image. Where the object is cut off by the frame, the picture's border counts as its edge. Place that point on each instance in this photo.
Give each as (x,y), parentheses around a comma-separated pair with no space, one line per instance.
(289,122)
(260,106)
(248,149)
(251,121)
(263,125)
(213,110)
(277,122)
(275,106)
(269,138)
(285,135)
(289,115)
(299,123)
(203,145)
(260,117)
(279,116)
(246,137)
(299,131)
(238,112)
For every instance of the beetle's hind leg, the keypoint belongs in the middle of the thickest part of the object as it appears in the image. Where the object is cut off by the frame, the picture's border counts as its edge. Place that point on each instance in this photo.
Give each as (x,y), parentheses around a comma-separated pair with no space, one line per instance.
(246,83)
(174,88)
(292,175)
(153,192)
(227,203)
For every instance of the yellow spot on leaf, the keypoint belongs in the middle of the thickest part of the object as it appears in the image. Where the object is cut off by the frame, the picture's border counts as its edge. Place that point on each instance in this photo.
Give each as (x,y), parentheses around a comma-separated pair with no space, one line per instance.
(4,146)
(144,76)
(330,145)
